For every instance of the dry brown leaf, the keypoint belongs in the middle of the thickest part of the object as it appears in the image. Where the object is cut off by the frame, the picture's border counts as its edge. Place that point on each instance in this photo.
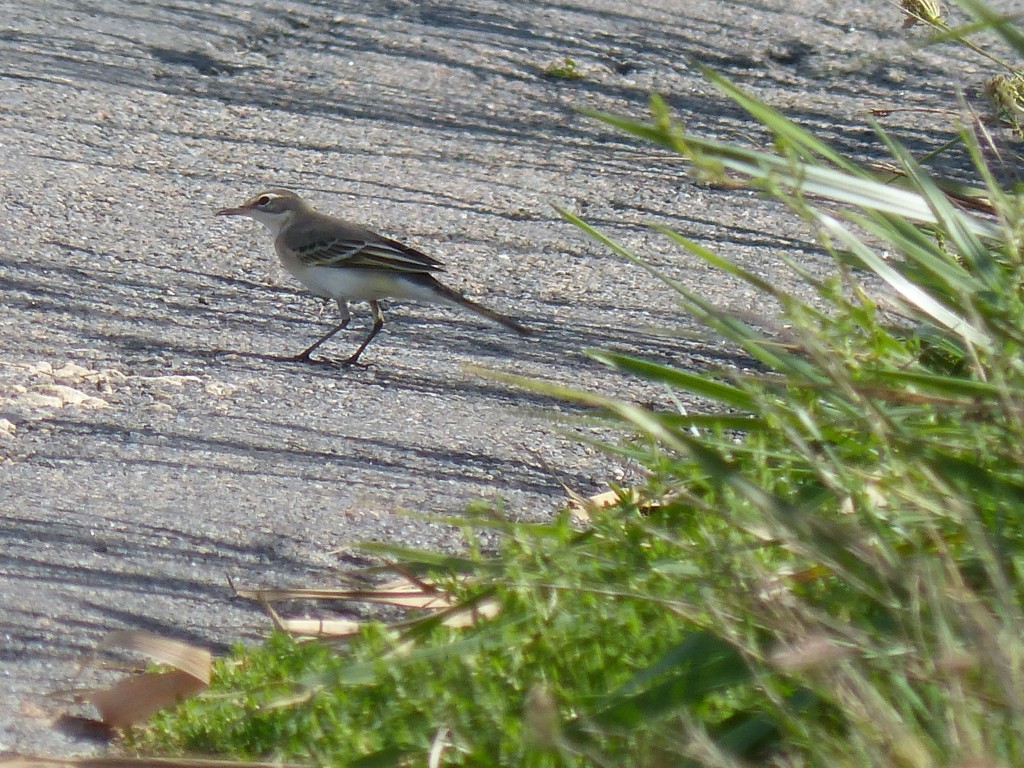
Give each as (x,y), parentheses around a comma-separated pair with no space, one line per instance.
(577,505)
(407,593)
(193,661)
(607,499)
(582,507)
(404,598)
(412,600)
(321,627)
(487,609)
(348,627)
(402,592)
(136,698)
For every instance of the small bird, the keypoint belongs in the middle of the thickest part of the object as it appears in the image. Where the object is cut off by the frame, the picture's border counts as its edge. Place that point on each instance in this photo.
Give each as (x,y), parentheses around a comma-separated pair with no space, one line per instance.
(338,260)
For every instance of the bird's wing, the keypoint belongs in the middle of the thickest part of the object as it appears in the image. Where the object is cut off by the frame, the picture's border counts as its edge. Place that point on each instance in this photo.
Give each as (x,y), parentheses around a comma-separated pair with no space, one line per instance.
(372,253)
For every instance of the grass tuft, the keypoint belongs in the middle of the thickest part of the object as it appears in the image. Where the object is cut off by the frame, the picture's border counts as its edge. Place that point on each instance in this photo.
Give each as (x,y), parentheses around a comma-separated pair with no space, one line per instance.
(563,69)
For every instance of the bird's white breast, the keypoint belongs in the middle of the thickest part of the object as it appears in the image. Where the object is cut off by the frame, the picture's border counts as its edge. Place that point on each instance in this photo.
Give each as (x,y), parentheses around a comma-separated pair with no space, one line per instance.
(351,284)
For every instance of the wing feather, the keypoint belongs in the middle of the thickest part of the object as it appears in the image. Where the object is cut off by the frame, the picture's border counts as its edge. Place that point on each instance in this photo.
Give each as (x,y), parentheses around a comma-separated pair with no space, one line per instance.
(366,253)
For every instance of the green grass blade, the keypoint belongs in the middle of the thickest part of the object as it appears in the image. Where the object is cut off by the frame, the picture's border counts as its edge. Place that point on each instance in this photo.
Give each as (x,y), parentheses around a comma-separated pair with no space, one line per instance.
(957,386)
(942,272)
(853,188)
(656,134)
(792,135)
(909,292)
(1004,26)
(755,344)
(954,223)
(717,261)
(695,668)
(697,384)
(422,558)
(714,422)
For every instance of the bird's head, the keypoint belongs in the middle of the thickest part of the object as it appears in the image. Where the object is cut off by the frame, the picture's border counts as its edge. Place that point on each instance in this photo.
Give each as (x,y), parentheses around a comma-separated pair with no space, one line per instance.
(273,208)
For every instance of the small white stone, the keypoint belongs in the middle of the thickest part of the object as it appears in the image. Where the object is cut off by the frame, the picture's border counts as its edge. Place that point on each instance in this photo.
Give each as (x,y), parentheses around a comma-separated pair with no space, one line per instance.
(39,400)
(69,396)
(72,371)
(41,367)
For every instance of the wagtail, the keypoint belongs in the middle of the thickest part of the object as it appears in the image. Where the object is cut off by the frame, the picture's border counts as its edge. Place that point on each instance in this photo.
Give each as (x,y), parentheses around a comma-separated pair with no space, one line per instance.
(346,262)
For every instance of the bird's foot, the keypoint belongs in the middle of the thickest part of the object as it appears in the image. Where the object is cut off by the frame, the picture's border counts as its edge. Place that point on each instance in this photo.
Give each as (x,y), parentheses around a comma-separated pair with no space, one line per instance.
(327,362)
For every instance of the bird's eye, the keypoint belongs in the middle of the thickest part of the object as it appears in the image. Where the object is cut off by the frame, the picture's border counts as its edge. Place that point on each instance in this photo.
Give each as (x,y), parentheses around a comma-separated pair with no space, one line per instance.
(264,200)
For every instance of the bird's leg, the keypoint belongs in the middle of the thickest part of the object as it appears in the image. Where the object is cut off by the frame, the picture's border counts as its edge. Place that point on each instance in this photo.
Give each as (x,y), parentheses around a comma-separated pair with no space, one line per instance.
(378,323)
(346,317)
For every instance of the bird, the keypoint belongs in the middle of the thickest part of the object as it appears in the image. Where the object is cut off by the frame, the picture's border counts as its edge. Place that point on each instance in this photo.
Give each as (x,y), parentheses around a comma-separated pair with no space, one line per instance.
(336,259)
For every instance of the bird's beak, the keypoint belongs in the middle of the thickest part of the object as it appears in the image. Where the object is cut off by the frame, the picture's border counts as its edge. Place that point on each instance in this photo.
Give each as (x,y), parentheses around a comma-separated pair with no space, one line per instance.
(241,210)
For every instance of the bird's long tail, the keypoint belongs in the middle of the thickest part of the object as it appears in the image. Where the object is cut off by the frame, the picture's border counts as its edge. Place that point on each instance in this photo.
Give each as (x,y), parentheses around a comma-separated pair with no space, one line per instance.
(454,297)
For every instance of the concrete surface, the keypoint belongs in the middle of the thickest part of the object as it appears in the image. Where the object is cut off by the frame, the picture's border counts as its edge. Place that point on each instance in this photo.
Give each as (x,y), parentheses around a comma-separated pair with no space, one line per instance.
(153,443)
